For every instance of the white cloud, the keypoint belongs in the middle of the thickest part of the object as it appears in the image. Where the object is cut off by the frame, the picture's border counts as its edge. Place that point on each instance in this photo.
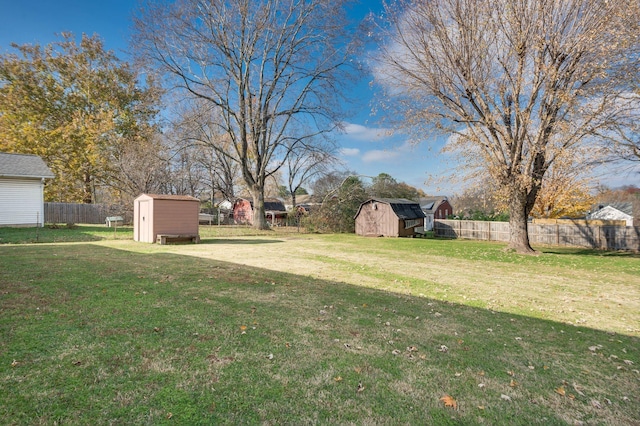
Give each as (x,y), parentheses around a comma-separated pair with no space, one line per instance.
(364,133)
(350,152)
(378,155)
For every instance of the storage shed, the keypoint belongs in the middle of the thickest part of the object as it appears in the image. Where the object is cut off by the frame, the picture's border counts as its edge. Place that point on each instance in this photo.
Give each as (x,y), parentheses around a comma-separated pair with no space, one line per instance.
(389,217)
(21,189)
(158,217)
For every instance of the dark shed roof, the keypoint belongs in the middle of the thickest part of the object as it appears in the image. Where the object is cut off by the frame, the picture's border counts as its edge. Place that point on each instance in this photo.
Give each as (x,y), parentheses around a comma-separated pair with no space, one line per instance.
(404,209)
(23,165)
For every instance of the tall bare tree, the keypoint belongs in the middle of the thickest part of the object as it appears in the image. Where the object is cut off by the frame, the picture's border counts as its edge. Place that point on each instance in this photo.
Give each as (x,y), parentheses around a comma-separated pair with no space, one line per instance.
(265,66)
(517,82)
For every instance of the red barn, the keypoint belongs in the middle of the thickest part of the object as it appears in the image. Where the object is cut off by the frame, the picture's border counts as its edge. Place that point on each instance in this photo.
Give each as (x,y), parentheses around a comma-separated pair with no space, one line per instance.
(275,212)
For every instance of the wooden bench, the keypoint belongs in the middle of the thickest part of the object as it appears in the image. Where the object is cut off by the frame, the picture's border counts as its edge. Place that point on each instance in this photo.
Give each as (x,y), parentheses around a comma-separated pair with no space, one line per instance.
(114,221)
(167,238)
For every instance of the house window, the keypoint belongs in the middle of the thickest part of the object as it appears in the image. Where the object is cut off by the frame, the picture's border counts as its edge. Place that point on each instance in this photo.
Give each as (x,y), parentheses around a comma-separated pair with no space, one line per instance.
(446,212)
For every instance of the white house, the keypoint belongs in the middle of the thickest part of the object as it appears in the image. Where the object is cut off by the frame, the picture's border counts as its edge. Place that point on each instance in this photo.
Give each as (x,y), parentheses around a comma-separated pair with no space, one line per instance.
(21,189)
(614,211)
(435,208)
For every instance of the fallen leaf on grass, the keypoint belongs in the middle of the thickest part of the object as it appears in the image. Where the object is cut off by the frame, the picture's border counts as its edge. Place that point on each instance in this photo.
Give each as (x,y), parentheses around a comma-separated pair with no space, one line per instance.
(337,379)
(560,391)
(513,383)
(449,401)
(395,352)
(578,389)
(360,388)
(443,348)
(169,416)
(505,397)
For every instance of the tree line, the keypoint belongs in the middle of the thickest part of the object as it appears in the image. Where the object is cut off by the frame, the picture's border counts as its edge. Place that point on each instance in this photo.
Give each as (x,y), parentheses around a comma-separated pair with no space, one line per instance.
(229,93)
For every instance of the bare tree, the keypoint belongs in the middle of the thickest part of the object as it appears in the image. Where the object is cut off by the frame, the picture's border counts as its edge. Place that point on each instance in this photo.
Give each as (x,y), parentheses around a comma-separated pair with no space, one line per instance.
(195,129)
(517,82)
(265,66)
(307,162)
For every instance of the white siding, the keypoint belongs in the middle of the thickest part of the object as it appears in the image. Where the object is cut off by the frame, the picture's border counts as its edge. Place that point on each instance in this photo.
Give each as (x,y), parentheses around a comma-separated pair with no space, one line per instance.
(21,202)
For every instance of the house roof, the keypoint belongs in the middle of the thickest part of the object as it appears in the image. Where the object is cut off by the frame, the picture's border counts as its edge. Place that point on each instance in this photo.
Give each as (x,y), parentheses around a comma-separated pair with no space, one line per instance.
(270,204)
(626,208)
(404,209)
(23,165)
(429,205)
(613,211)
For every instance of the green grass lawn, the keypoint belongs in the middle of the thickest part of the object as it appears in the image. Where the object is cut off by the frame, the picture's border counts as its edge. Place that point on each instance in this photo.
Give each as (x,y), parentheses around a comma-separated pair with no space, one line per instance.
(290,328)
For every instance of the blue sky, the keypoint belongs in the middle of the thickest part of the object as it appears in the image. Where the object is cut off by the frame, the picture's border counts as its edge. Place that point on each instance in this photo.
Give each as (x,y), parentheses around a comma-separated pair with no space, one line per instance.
(366,147)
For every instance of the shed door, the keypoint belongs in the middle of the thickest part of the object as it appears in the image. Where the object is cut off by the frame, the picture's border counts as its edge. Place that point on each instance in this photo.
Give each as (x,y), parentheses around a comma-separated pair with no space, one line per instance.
(145,222)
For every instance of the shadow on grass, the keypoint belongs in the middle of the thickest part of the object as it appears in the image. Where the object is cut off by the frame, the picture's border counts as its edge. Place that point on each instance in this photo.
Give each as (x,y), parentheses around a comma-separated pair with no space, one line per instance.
(62,233)
(95,335)
(240,241)
(588,252)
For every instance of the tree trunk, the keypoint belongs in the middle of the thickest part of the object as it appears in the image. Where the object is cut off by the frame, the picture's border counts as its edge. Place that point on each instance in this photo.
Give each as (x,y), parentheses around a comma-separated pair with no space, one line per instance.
(518,218)
(259,219)
(87,195)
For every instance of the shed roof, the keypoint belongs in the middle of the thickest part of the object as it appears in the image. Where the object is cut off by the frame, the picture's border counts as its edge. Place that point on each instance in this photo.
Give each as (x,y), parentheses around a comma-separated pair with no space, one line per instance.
(403,208)
(23,165)
(170,197)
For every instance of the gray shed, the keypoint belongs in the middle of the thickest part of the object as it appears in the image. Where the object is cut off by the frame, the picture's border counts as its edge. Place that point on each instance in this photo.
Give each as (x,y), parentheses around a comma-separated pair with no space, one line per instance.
(389,217)
(162,218)
(21,189)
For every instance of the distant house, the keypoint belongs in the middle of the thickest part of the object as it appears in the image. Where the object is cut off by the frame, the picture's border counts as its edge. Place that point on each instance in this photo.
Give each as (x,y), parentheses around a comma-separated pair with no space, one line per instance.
(389,217)
(21,189)
(305,201)
(275,212)
(613,211)
(435,208)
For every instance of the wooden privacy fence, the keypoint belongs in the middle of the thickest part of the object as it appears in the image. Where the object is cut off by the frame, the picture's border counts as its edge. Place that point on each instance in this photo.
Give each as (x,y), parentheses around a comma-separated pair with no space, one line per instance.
(84,213)
(579,234)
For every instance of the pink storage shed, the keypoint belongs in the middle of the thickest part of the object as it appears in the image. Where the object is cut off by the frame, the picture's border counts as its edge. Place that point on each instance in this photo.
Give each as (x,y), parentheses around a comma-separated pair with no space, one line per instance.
(158,217)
